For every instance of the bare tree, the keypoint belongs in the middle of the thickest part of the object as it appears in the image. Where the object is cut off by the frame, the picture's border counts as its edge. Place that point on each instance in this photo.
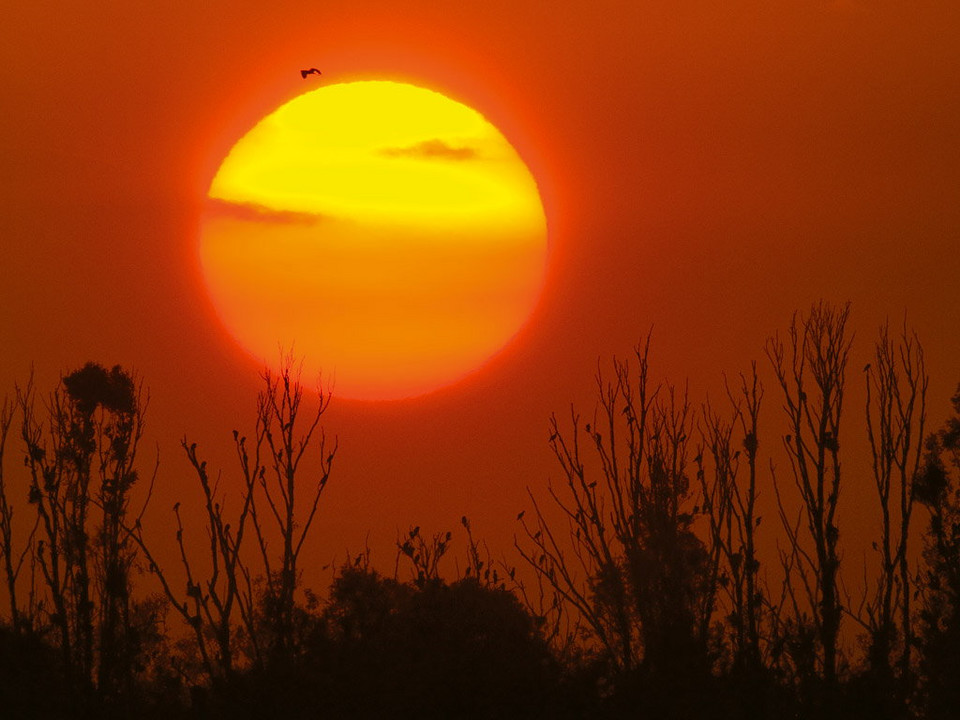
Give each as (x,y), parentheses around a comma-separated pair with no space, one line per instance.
(285,436)
(896,415)
(208,602)
(47,493)
(424,554)
(217,601)
(586,564)
(627,561)
(811,371)
(12,561)
(730,504)
(481,566)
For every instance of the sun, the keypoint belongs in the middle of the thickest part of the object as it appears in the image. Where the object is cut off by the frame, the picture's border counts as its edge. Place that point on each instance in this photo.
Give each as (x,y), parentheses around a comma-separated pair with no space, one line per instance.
(390,235)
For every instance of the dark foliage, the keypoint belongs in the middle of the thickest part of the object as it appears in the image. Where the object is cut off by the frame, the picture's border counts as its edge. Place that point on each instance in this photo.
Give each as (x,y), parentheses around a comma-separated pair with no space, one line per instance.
(32,683)
(383,648)
(92,386)
(938,488)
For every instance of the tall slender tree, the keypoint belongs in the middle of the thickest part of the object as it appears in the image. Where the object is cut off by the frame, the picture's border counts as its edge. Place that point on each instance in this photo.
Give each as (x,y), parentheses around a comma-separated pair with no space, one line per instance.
(730,503)
(288,499)
(81,457)
(624,555)
(895,418)
(810,368)
(20,617)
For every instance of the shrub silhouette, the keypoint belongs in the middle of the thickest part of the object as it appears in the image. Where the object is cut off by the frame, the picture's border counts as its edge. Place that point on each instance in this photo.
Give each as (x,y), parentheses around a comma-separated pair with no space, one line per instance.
(460,650)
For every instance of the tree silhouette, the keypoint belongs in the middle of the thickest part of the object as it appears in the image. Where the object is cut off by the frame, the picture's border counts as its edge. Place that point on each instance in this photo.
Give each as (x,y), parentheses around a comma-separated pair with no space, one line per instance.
(730,443)
(255,594)
(12,560)
(285,443)
(895,415)
(208,604)
(811,372)
(81,460)
(434,650)
(629,562)
(937,487)
(643,593)
(32,683)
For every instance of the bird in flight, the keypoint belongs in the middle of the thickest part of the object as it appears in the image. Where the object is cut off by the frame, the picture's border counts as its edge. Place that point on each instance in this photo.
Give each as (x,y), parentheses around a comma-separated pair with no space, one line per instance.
(311,71)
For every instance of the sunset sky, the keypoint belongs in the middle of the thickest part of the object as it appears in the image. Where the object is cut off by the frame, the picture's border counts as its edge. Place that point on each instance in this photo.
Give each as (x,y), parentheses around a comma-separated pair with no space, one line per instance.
(705,169)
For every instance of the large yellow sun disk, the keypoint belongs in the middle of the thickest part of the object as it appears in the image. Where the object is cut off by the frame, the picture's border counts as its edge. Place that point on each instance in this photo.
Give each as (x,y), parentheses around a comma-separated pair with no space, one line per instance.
(392,236)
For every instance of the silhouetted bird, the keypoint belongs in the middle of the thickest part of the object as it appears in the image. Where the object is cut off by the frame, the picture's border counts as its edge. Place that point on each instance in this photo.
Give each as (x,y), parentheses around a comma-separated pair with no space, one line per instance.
(311,71)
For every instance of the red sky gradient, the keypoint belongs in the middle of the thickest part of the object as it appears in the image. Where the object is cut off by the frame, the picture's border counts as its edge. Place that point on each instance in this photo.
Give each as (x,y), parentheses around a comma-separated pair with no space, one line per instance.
(706,169)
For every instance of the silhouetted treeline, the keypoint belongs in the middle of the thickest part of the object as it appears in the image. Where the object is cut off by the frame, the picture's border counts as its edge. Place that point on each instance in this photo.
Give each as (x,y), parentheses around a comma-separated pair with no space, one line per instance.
(651,580)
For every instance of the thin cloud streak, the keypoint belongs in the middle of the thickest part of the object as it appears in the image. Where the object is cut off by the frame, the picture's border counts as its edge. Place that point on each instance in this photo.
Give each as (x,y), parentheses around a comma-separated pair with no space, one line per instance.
(260,213)
(431,149)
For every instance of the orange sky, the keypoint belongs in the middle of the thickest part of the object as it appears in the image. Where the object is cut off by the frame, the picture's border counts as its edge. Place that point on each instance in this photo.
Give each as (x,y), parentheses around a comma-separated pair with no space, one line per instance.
(706,169)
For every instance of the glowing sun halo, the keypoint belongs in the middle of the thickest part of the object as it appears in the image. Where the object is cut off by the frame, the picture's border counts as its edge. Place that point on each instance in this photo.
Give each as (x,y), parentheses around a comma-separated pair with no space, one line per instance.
(390,235)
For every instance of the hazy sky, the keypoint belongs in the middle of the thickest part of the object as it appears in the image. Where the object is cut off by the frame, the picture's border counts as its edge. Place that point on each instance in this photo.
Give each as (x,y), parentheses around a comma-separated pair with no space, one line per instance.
(707,168)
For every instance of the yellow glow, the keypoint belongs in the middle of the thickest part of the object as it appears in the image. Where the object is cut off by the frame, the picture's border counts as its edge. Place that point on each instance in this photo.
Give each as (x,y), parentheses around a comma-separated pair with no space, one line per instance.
(392,236)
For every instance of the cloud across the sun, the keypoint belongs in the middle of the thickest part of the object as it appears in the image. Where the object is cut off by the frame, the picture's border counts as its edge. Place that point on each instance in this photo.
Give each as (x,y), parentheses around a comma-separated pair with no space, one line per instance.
(255,212)
(432,149)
